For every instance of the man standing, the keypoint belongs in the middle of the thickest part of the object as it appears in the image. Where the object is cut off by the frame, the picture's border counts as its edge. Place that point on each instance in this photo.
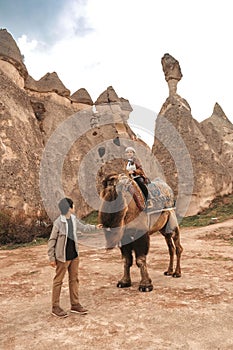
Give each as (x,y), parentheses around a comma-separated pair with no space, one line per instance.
(63,255)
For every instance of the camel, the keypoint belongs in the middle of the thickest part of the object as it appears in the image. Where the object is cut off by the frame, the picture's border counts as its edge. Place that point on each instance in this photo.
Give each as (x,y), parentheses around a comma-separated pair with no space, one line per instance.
(129,226)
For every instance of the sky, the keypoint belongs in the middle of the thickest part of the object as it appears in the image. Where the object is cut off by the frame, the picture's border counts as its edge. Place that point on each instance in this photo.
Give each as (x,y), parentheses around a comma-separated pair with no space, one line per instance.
(94,44)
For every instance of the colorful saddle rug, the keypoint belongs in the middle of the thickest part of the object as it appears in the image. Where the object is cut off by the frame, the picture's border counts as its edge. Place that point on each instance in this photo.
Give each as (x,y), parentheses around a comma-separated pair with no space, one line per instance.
(160,195)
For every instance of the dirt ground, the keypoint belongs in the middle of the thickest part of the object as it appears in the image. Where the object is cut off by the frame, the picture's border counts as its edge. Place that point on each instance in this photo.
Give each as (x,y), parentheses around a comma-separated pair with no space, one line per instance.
(192,312)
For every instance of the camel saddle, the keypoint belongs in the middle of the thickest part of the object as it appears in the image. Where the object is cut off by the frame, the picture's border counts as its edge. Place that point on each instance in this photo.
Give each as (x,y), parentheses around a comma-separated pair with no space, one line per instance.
(160,196)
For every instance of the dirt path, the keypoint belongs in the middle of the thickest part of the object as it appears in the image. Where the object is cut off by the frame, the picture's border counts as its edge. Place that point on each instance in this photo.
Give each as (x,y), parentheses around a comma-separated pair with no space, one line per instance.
(193,312)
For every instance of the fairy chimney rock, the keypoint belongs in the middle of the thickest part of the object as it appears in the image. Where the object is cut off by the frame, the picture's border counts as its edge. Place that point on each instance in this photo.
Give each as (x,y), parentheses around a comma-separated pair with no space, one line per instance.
(218,112)
(195,157)
(108,96)
(108,102)
(50,82)
(82,96)
(218,131)
(172,72)
(10,52)
(11,60)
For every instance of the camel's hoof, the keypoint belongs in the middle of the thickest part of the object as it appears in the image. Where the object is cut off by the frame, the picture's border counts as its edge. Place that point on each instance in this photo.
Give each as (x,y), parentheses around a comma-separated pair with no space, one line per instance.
(121,284)
(176,275)
(145,288)
(167,273)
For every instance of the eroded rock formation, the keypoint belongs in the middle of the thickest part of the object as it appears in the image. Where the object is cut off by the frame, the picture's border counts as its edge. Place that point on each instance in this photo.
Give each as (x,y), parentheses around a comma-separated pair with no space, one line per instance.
(82,96)
(172,72)
(21,149)
(192,154)
(53,144)
(218,131)
(10,53)
(50,82)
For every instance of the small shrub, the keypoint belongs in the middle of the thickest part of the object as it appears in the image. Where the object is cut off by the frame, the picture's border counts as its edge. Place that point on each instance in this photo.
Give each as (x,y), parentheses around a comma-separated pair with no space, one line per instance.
(92,218)
(20,229)
(220,208)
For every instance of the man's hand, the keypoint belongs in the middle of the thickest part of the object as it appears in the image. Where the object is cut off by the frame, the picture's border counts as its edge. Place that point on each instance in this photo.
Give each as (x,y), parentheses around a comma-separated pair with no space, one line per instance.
(53,264)
(99,226)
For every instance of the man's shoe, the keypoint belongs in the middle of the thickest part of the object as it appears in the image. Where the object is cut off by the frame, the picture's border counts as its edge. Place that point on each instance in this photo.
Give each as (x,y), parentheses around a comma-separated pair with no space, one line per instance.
(57,311)
(78,309)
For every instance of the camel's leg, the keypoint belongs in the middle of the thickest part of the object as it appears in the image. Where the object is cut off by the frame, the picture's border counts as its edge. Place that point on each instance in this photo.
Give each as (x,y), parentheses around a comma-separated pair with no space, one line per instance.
(171,233)
(126,251)
(145,283)
(171,250)
(141,248)
(179,249)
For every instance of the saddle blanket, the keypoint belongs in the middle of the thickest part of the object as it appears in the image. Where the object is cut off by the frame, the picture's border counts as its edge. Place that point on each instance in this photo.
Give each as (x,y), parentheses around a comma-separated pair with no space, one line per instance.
(161,195)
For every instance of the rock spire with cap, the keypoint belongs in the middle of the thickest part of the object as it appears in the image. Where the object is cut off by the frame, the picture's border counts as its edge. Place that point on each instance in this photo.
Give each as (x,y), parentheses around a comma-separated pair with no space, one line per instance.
(172,72)
(191,153)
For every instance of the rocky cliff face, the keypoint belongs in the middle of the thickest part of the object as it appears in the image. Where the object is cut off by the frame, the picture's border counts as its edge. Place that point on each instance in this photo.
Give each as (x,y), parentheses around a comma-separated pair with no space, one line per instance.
(218,131)
(20,148)
(196,157)
(53,144)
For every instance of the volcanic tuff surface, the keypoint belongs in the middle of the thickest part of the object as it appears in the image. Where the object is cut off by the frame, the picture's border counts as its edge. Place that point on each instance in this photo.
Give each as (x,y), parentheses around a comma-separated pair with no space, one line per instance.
(196,157)
(54,144)
(46,135)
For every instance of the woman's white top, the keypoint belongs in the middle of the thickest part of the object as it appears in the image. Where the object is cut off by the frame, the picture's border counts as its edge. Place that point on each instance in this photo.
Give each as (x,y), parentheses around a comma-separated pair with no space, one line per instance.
(130,166)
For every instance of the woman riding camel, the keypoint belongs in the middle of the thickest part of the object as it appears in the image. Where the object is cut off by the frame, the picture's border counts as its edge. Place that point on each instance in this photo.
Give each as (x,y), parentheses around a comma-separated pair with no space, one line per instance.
(134,168)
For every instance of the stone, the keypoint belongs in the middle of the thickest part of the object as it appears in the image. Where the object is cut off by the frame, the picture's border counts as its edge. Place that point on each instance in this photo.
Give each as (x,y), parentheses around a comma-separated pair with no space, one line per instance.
(82,96)
(108,96)
(189,152)
(218,131)
(10,52)
(50,82)
(172,72)
(43,127)
(73,143)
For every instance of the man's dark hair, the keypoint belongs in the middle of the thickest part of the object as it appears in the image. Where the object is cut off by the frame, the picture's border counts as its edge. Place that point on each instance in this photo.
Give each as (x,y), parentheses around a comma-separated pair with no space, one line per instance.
(64,205)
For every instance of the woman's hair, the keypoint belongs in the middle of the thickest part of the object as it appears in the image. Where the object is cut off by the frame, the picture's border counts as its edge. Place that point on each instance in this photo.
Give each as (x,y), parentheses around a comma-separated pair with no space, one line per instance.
(64,205)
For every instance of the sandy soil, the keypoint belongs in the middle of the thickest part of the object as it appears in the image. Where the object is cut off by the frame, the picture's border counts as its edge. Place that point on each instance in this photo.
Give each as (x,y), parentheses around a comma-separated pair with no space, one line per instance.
(192,312)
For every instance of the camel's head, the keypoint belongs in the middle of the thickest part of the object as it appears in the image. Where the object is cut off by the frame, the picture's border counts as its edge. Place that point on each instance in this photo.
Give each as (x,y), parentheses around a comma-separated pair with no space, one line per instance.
(114,184)
(110,180)
(113,209)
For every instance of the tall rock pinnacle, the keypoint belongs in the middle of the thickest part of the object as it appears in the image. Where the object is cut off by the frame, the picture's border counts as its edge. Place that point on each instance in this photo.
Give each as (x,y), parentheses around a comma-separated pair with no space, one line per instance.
(195,158)
(172,72)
